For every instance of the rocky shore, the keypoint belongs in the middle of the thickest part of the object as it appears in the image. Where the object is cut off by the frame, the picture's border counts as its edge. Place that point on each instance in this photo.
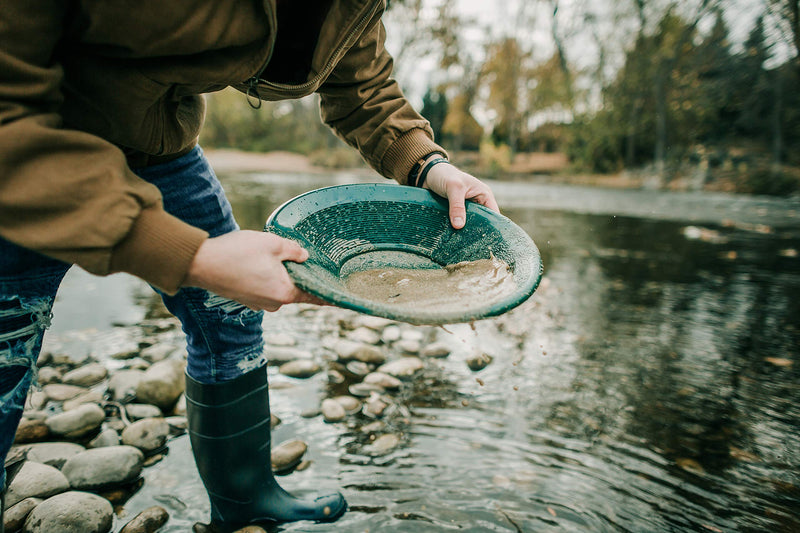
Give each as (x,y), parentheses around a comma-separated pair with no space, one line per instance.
(93,426)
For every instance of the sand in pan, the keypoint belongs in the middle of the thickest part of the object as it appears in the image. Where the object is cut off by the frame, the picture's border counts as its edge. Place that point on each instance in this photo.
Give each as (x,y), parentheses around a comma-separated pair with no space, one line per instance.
(451,288)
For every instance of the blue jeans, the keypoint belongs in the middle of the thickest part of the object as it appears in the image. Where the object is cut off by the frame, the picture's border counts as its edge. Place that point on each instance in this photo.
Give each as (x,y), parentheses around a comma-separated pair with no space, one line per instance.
(224,338)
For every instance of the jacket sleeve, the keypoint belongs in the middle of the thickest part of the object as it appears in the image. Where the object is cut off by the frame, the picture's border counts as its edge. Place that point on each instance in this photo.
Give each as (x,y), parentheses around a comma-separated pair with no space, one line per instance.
(366,107)
(65,193)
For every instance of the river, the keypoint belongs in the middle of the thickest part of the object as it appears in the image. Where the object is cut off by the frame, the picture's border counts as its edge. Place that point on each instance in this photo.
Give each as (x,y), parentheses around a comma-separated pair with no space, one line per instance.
(651,384)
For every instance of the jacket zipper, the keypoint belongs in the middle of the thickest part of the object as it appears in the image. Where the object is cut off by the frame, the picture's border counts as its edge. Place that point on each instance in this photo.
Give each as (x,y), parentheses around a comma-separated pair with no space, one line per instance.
(252,83)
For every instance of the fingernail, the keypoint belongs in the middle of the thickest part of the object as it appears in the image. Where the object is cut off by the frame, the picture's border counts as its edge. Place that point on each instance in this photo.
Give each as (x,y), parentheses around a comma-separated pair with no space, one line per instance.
(458,222)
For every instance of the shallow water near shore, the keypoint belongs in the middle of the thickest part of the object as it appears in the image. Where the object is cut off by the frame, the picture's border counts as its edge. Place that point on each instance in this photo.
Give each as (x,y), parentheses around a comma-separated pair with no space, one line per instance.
(652,383)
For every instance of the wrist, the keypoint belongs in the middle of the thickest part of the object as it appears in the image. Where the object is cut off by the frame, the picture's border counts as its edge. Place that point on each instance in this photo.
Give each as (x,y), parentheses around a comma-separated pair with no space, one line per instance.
(416,170)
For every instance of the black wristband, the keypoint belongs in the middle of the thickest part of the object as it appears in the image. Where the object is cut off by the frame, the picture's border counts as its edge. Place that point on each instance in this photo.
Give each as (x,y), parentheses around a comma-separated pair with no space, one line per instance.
(414,174)
(427,168)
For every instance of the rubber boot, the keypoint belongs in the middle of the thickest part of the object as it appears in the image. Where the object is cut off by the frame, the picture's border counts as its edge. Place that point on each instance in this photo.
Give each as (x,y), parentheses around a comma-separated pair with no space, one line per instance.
(229,428)
(13,464)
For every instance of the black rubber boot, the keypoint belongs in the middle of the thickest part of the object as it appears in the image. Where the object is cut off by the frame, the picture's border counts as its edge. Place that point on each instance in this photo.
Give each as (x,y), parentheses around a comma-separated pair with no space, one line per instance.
(229,428)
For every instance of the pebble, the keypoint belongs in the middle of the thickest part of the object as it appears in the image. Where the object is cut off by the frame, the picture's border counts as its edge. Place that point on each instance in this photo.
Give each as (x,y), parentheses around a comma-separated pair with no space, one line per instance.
(479,361)
(79,422)
(383,380)
(288,455)
(300,368)
(280,339)
(90,396)
(408,346)
(403,367)
(351,405)
(149,434)
(31,430)
(35,480)
(14,517)
(336,377)
(59,392)
(348,350)
(281,355)
(363,390)
(332,411)
(372,322)
(103,468)
(107,437)
(71,512)
(364,335)
(123,383)
(391,334)
(148,521)
(383,444)
(162,384)
(158,352)
(358,368)
(86,376)
(48,375)
(53,454)
(375,406)
(378,425)
(138,411)
(37,400)
(413,334)
(436,350)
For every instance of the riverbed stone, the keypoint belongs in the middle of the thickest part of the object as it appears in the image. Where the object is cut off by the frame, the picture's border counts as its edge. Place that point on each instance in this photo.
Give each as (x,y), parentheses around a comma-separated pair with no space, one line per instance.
(408,346)
(31,430)
(300,368)
(78,422)
(403,367)
(377,323)
(101,468)
(333,411)
(288,454)
(107,437)
(35,480)
(479,361)
(148,521)
(358,368)
(284,354)
(90,396)
(436,350)
(148,434)
(138,411)
(71,512)
(14,517)
(123,383)
(383,380)
(383,445)
(59,392)
(349,403)
(348,350)
(37,400)
(364,335)
(280,339)
(391,334)
(162,384)
(375,406)
(48,375)
(53,454)
(86,375)
(363,390)
(158,352)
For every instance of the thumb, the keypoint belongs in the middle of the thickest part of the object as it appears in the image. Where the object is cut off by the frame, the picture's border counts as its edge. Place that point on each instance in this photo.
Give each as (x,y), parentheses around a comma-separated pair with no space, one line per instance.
(458,213)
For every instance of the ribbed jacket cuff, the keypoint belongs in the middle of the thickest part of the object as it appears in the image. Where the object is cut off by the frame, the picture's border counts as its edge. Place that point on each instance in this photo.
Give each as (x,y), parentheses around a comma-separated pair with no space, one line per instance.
(403,154)
(159,248)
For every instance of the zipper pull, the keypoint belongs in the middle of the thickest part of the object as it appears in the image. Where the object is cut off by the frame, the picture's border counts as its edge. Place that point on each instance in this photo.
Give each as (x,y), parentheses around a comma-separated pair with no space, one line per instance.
(252,93)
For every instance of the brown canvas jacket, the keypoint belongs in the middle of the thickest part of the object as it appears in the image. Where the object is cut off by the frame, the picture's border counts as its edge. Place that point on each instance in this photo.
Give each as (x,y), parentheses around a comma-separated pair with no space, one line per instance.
(83,83)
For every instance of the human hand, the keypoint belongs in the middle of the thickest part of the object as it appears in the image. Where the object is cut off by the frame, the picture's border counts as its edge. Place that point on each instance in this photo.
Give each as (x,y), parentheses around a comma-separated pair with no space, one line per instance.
(247,266)
(457,186)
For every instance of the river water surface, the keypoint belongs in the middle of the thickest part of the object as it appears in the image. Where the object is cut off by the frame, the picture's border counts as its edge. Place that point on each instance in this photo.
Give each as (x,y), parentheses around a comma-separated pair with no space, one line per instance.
(651,384)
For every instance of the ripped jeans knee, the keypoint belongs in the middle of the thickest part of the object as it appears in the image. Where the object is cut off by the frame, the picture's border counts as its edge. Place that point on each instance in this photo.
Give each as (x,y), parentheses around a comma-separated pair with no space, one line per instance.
(23,322)
(224,338)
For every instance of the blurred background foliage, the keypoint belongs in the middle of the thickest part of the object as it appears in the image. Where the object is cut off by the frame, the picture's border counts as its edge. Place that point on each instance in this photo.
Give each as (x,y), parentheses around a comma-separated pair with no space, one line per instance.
(657,88)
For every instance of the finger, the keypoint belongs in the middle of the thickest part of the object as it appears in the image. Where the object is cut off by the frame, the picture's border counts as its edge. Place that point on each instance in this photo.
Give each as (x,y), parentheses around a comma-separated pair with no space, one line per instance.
(291,251)
(458,212)
(487,200)
(307,298)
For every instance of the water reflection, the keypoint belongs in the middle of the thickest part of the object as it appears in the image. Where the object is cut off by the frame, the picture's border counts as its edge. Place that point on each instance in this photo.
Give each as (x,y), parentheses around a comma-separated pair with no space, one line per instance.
(651,384)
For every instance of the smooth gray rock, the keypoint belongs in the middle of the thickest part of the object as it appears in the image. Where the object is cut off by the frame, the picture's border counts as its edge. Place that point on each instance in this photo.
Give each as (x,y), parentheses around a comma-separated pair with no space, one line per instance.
(284,354)
(107,437)
(123,383)
(382,445)
(86,375)
(48,375)
(138,411)
(35,480)
(391,334)
(301,368)
(365,335)
(348,350)
(351,405)
(383,380)
(90,396)
(408,346)
(71,512)
(479,361)
(403,367)
(59,392)
(280,339)
(53,454)
(332,411)
(101,468)
(148,521)
(148,434)
(14,517)
(436,350)
(76,423)
(363,390)
(158,352)
(288,455)
(162,384)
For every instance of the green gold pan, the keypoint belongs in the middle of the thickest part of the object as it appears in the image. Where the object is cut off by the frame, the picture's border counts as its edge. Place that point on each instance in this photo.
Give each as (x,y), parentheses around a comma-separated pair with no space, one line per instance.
(351,228)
